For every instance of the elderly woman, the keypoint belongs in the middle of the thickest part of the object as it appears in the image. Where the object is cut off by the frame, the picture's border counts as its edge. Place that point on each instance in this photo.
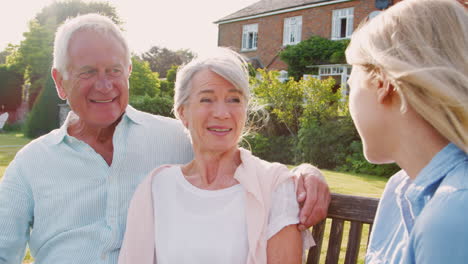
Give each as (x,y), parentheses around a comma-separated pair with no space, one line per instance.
(226,205)
(409,102)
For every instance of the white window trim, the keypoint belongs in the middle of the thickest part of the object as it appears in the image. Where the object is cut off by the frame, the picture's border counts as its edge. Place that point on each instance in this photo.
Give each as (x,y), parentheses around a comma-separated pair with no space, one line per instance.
(338,14)
(283,76)
(292,27)
(342,70)
(246,30)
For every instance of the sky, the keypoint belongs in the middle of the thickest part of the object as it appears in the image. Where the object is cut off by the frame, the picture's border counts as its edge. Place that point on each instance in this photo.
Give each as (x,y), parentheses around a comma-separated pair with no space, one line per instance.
(174,24)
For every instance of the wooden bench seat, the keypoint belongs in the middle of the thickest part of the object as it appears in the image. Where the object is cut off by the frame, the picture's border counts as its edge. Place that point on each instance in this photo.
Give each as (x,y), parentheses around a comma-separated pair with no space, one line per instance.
(355,209)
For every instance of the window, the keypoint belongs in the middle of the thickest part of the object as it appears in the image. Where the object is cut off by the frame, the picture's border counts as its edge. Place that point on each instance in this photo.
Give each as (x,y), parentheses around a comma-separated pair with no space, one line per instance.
(342,23)
(249,37)
(283,77)
(292,30)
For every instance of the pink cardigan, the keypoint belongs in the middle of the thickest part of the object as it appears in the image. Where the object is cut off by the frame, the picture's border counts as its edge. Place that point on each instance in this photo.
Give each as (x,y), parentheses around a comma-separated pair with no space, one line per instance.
(257,176)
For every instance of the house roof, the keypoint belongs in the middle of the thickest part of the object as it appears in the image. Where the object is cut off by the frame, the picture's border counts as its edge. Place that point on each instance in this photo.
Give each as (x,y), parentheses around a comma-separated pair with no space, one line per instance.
(267,6)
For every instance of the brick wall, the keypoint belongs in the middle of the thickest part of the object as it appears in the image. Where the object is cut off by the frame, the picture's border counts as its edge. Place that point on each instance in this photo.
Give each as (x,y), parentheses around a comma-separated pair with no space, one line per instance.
(315,21)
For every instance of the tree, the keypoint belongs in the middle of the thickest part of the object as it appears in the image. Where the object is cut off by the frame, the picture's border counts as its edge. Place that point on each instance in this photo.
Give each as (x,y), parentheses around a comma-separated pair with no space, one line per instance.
(283,100)
(167,86)
(59,11)
(313,51)
(142,80)
(162,59)
(3,56)
(10,87)
(44,115)
(34,54)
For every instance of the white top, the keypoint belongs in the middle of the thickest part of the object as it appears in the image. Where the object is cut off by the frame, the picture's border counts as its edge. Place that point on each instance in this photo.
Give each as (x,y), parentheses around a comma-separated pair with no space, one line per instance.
(193,225)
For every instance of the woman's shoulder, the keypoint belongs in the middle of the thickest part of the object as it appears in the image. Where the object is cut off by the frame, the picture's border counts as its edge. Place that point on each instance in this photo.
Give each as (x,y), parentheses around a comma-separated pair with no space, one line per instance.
(441,226)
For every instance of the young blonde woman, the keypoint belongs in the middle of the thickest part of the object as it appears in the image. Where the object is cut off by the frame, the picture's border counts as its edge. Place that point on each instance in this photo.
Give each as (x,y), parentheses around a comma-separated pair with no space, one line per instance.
(409,102)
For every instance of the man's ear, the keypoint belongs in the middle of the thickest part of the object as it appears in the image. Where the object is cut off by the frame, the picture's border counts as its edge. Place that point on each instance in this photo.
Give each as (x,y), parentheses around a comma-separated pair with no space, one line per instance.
(58,79)
(385,91)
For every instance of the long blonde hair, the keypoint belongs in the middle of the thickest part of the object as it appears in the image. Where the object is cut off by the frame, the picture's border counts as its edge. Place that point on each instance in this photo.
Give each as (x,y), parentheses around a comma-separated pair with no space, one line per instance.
(421,48)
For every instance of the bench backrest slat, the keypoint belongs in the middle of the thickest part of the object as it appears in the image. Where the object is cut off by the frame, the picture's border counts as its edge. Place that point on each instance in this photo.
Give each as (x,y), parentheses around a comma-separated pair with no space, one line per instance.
(343,208)
(334,242)
(354,242)
(314,253)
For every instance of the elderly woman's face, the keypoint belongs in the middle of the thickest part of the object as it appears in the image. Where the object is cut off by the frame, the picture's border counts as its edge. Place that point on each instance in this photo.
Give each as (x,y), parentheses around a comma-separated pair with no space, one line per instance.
(215,113)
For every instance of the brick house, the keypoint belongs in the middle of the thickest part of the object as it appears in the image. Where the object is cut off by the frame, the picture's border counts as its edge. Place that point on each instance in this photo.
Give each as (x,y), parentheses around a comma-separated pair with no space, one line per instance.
(260,31)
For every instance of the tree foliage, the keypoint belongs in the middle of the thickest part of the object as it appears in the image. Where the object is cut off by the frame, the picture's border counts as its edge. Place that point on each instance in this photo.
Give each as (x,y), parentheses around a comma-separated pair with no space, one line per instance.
(142,80)
(44,115)
(146,93)
(59,11)
(167,86)
(313,51)
(319,131)
(158,105)
(283,100)
(11,82)
(162,59)
(34,53)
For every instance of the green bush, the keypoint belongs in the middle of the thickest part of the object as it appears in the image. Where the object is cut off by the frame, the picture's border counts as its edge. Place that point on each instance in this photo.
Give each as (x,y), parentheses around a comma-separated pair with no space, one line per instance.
(326,144)
(11,81)
(356,162)
(15,127)
(272,148)
(154,105)
(44,115)
(142,80)
(313,51)
(167,88)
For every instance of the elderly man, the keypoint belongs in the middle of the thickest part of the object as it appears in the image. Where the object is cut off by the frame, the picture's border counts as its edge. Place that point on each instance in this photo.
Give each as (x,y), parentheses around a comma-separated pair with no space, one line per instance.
(67,193)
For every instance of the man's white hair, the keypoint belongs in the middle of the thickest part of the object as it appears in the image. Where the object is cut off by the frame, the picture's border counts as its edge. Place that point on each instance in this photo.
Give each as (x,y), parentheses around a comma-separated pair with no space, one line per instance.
(89,22)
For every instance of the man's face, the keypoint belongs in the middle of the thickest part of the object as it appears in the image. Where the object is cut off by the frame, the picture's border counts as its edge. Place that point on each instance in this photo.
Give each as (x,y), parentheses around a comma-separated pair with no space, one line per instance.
(97,83)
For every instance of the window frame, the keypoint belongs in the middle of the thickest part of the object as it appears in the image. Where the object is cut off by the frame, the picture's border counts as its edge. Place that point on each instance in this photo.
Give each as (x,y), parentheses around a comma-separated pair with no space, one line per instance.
(246,31)
(337,16)
(289,32)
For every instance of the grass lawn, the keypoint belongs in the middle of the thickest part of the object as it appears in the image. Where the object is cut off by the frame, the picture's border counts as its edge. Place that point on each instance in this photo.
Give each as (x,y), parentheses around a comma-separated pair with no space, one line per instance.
(346,183)
(10,143)
(352,184)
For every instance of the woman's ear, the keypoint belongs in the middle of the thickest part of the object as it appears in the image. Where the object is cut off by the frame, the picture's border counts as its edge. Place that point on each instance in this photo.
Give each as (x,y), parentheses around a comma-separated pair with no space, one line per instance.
(385,91)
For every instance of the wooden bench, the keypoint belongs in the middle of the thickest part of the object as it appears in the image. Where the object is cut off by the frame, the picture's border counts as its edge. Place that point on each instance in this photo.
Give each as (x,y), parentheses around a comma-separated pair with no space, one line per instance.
(355,209)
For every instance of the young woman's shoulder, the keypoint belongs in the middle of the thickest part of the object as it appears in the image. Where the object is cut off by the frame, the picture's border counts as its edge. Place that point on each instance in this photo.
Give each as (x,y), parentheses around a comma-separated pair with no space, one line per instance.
(440,234)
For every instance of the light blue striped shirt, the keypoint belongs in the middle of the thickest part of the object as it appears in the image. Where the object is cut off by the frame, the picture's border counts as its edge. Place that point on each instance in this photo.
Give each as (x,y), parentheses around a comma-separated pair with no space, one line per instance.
(59,195)
(426,220)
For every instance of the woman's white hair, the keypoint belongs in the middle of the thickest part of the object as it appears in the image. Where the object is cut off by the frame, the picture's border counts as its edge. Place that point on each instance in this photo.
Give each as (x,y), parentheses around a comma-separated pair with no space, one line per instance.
(222,61)
(421,48)
(89,22)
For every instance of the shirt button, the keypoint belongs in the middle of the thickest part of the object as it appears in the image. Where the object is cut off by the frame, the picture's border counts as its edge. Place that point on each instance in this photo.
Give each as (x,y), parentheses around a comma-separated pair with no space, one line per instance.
(103,256)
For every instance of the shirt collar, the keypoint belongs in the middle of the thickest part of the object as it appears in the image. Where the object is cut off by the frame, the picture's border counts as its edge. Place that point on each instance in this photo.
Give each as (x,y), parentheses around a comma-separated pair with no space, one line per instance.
(58,135)
(440,165)
(428,180)
(133,115)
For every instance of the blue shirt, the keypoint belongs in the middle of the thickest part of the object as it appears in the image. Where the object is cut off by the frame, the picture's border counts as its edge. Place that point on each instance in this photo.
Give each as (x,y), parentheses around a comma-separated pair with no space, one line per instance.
(424,221)
(62,198)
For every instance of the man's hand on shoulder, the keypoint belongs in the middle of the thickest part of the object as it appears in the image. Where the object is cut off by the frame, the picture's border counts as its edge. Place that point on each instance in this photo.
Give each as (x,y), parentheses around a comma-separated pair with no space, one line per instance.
(313,195)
